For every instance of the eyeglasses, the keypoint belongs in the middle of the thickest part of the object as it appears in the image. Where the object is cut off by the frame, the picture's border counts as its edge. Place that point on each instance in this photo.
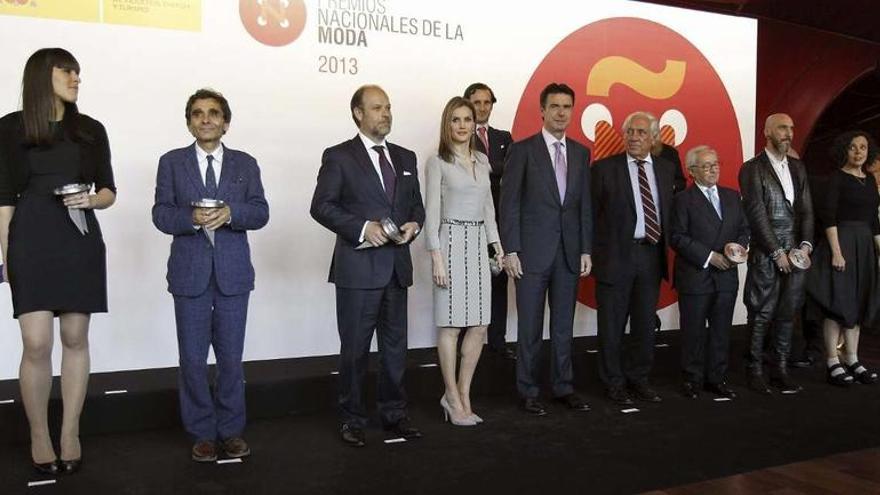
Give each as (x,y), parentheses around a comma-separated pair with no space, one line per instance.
(709,166)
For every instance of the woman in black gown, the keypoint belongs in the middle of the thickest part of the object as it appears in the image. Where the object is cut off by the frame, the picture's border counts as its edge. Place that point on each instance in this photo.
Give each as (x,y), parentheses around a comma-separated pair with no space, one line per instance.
(843,282)
(54,269)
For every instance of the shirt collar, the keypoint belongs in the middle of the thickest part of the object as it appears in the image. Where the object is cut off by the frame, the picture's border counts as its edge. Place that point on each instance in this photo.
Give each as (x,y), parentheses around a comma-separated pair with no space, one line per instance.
(774,160)
(632,160)
(202,155)
(368,143)
(550,139)
(706,189)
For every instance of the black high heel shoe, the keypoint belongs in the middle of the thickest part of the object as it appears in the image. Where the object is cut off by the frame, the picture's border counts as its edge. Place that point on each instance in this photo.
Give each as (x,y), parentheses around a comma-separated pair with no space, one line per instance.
(71,466)
(864,376)
(49,468)
(842,379)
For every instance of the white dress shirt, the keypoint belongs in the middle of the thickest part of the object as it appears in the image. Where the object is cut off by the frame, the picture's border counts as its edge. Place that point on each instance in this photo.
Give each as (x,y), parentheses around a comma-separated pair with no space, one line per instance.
(202,157)
(780,167)
(374,158)
(705,191)
(633,169)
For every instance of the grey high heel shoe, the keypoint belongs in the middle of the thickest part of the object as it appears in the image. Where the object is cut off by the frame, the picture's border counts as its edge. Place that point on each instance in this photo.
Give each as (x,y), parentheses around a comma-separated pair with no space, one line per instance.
(447,414)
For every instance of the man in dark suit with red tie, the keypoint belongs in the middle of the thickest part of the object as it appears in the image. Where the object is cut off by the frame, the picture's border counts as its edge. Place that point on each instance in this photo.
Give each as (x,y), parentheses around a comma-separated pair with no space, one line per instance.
(707,221)
(362,181)
(632,200)
(494,143)
(547,228)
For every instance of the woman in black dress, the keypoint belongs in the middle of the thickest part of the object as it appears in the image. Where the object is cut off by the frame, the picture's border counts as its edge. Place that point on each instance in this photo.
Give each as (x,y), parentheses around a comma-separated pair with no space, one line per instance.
(54,267)
(843,283)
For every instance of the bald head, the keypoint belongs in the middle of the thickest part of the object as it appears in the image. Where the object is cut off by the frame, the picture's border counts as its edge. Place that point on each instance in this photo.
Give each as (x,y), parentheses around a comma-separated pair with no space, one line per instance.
(779,131)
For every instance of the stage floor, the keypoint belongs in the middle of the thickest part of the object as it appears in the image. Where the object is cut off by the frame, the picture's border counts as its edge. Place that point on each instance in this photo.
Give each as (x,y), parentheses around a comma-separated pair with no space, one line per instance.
(132,442)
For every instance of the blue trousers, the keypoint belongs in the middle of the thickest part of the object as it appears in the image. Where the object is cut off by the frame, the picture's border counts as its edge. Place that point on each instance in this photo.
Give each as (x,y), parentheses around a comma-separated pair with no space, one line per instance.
(211,319)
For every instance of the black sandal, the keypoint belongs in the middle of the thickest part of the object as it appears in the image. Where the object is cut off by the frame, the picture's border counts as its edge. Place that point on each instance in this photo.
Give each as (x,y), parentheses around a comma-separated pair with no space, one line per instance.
(866,376)
(843,379)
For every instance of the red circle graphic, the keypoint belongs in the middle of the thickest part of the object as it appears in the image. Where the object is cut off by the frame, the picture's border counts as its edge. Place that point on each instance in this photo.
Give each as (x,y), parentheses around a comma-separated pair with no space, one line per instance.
(273,22)
(626,65)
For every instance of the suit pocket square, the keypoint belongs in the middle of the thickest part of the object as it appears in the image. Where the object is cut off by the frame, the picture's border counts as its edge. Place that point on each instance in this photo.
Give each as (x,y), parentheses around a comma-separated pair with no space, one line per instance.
(405,173)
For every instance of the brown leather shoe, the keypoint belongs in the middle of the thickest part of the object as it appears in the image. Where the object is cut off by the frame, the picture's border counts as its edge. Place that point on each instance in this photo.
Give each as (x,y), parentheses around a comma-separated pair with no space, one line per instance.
(236,447)
(204,451)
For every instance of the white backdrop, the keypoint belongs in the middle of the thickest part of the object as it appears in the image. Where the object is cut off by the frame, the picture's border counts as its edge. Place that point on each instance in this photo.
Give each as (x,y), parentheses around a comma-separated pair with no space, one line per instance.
(285,112)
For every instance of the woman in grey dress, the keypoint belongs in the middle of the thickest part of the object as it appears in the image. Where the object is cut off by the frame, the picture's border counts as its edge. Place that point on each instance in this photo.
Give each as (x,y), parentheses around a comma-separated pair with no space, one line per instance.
(460,221)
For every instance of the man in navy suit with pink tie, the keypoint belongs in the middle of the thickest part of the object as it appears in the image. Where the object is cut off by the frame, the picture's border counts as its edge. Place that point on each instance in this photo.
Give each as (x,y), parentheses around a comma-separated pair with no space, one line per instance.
(210,273)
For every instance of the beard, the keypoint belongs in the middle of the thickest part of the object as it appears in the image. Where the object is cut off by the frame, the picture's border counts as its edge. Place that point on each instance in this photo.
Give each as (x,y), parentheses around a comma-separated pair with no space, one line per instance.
(781,146)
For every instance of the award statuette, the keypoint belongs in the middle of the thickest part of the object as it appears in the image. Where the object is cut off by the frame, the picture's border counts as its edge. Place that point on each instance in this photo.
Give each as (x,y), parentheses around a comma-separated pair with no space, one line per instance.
(391,230)
(208,203)
(799,259)
(77,215)
(736,253)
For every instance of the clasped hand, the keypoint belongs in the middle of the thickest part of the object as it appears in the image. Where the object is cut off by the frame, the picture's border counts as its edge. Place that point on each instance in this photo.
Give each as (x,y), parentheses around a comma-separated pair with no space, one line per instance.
(211,218)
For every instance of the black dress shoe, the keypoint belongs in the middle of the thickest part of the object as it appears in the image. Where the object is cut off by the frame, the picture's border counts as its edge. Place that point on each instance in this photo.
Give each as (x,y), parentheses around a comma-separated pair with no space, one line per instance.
(755,381)
(71,466)
(690,390)
(784,383)
(503,352)
(721,389)
(645,393)
(403,429)
(805,361)
(533,406)
(620,396)
(49,468)
(574,402)
(352,435)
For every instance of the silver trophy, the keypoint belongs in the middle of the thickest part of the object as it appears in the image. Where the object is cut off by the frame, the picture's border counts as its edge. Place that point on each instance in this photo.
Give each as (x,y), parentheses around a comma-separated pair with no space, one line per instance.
(799,259)
(212,204)
(77,215)
(736,253)
(391,230)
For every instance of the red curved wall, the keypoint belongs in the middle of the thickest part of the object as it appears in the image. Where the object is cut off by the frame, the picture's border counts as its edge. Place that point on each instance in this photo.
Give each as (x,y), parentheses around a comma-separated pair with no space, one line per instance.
(801,71)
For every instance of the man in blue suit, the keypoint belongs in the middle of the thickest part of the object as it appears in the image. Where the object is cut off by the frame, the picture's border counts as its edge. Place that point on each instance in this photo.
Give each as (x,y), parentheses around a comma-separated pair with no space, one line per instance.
(547,228)
(362,181)
(210,273)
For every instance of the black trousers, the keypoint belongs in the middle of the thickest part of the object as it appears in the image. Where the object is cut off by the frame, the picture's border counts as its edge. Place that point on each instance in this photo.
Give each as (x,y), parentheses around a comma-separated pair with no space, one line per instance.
(771,297)
(559,285)
(498,326)
(634,297)
(359,312)
(705,348)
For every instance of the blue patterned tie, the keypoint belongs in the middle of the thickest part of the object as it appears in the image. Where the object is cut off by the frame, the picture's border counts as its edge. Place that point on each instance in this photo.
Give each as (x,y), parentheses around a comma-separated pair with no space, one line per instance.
(713,198)
(211,178)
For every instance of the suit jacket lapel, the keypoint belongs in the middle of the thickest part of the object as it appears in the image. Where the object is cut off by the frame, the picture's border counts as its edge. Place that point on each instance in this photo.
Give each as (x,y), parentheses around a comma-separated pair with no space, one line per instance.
(366,164)
(192,170)
(545,165)
(227,172)
(624,179)
(397,163)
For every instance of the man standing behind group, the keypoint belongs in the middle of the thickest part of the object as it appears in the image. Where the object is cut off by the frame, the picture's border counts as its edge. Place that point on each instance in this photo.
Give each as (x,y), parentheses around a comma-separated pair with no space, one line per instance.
(776,199)
(706,218)
(494,144)
(210,276)
(632,200)
(362,181)
(547,226)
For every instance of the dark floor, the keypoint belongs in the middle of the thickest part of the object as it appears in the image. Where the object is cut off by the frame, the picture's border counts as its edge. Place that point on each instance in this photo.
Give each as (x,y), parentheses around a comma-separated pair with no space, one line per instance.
(296,447)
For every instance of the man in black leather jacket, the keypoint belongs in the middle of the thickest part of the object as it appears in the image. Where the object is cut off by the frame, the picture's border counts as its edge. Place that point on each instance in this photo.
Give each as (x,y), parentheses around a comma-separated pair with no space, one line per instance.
(776,199)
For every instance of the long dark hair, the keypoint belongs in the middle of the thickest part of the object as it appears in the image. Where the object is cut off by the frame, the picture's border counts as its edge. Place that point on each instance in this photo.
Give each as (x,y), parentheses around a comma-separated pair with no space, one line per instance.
(38,97)
(445,148)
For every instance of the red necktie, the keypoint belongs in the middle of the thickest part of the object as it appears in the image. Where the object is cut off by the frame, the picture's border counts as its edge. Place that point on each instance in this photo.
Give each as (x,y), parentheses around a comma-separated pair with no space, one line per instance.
(481,133)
